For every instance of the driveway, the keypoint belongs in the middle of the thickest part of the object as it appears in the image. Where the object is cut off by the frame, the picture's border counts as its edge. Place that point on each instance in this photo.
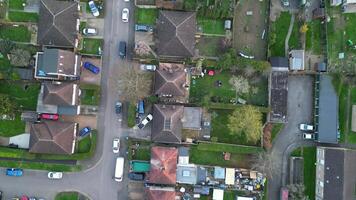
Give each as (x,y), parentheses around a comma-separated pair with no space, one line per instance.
(300,105)
(98,24)
(87,76)
(82,120)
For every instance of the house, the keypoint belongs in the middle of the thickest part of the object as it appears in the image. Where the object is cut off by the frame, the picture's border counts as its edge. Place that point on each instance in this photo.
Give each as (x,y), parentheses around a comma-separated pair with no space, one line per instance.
(335,174)
(159,193)
(278,96)
(53,137)
(326,110)
(170,4)
(58,23)
(175,34)
(192,118)
(163,165)
(279,64)
(170,84)
(58,97)
(296,60)
(57,64)
(167,123)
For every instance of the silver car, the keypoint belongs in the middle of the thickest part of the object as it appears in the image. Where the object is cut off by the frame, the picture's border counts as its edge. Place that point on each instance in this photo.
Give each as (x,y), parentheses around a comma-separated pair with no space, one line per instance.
(125,15)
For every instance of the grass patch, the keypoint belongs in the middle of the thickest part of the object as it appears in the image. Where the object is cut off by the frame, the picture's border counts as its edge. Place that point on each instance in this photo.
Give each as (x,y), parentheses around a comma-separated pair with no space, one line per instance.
(10,128)
(343,97)
(228,148)
(22,33)
(294,37)
(313,36)
(276,128)
(131,117)
(279,30)
(92,45)
(90,95)
(84,145)
(16,4)
(24,94)
(67,196)
(18,16)
(139,149)
(212,26)
(40,166)
(309,155)
(82,25)
(209,45)
(146,16)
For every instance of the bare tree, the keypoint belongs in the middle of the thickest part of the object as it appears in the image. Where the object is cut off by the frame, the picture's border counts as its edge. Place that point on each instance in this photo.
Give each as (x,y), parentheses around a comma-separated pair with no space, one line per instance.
(264,162)
(240,85)
(20,57)
(133,84)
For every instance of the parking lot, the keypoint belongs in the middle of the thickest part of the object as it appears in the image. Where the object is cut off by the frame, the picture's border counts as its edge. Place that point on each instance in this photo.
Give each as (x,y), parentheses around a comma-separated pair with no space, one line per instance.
(87,76)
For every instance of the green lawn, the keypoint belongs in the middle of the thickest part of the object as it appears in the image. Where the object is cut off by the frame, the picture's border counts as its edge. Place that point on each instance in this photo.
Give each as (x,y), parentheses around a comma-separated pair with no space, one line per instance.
(140,152)
(3,9)
(24,94)
(294,37)
(90,95)
(209,46)
(40,166)
(91,46)
(10,128)
(18,16)
(67,196)
(22,33)
(84,145)
(131,117)
(82,26)
(351,136)
(309,155)
(228,148)
(16,4)
(342,110)
(212,26)
(350,27)
(279,30)
(276,129)
(146,16)
(313,37)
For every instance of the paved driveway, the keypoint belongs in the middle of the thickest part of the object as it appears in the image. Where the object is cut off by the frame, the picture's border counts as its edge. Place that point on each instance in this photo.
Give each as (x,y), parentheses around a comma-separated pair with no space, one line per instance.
(87,76)
(300,101)
(82,120)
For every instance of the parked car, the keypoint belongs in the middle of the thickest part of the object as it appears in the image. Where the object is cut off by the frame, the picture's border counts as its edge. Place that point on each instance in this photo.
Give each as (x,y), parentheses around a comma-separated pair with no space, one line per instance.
(306,127)
(140,107)
(55,175)
(148,67)
(118,107)
(90,31)
(93,9)
(143,28)
(24,197)
(14,172)
(49,116)
(127,0)
(125,15)
(32,198)
(309,136)
(85,131)
(122,49)
(136,176)
(116,145)
(145,121)
(89,66)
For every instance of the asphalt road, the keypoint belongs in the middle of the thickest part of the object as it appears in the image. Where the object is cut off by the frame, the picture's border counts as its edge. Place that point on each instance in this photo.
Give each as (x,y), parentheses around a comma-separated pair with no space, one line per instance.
(97,180)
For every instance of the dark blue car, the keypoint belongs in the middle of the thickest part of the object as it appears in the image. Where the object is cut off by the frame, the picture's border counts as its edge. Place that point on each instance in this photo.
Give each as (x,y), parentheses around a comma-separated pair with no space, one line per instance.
(14,172)
(85,131)
(91,67)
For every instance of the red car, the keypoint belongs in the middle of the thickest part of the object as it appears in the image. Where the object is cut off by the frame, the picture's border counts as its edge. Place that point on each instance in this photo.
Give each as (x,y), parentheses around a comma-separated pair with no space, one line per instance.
(49,116)
(24,197)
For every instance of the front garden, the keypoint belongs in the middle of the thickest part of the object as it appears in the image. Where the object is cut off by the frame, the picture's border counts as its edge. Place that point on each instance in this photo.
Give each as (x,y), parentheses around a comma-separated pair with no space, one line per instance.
(92,46)
(90,94)
(146,16)
(139,149)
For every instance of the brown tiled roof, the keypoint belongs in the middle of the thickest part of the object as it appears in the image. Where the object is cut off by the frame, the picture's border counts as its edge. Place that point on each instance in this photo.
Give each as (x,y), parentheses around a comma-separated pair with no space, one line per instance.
(167,124)
(66,62)
(170,83)
(52,137)
(60,94)
(57,24)
(158,194)
(176,33)
(163,165)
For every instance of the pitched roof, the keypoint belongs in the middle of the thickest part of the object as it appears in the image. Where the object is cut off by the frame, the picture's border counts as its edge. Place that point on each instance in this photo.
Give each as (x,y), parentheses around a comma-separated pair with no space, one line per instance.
(176,33)
(167,124)
(60,94)
(57,24)
(163,165)
(279,63)
(170,83)
(160,193)
(52,137)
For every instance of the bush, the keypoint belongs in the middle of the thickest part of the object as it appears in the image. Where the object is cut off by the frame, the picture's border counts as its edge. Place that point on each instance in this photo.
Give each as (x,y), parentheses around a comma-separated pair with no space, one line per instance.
(19,57)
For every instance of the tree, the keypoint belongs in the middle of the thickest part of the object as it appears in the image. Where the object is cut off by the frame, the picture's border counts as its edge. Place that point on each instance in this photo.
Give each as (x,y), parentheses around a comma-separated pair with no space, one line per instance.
(133,84)
(246,121)
(240,84)
(228,59)
(6,46)
(7,107)
(264,162)
(296,192)
(20,57)
(304,28)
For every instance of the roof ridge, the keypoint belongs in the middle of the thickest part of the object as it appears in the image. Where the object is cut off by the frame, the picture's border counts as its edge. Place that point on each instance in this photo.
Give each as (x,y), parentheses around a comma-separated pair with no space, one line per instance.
(65,35)
(185,20)
(63,149)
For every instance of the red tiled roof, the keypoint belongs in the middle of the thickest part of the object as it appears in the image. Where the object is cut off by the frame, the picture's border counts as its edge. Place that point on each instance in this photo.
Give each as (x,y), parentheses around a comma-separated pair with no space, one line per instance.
(163,165)
(160,194)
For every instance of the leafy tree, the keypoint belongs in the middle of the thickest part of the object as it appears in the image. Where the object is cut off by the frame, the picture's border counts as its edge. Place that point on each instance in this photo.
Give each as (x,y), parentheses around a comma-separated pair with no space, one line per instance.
(7,107)
(228,59)
(296,192)
(6,46)
(246,121)
(20,57)
(304,28)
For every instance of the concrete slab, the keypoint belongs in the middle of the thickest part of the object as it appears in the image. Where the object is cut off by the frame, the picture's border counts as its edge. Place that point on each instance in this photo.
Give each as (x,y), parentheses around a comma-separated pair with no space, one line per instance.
(23,140)
(88,77)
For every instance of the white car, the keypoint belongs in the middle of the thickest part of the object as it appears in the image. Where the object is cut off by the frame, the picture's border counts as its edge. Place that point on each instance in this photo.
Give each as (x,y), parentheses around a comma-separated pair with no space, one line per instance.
(309,136)
(55,175)
(116,145)
(125,15)
(93,9)
(145,121)
(145,67)
(90,31)
(306,127)
(127,0)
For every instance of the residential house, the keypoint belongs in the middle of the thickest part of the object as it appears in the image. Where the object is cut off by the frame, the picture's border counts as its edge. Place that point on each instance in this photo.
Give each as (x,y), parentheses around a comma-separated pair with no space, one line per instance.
(326,110)
(335,174)
(53,137)
(170,84)
(296,60)
(175,34)
(58,24)
(160,193)
(163,165)
(170,4)
(167,123)
(57,64)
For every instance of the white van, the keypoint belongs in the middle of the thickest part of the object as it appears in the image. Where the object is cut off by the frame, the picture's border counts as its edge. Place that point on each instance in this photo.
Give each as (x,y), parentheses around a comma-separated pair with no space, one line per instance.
(119,169)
